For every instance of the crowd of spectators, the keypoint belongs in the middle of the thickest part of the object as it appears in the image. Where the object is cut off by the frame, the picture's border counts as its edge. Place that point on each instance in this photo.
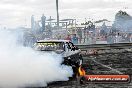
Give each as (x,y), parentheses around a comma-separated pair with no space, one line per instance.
(107,38)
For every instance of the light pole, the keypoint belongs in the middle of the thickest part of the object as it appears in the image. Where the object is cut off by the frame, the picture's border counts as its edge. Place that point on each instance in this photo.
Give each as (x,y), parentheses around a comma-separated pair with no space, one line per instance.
(57,14)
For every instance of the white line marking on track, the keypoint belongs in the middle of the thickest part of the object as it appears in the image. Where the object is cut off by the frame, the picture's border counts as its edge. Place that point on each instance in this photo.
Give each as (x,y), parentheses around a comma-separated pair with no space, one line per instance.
(107,66)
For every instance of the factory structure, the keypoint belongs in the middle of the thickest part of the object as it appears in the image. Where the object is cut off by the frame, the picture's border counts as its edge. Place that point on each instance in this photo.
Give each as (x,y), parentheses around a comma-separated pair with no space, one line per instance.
(47,28)
(88,32)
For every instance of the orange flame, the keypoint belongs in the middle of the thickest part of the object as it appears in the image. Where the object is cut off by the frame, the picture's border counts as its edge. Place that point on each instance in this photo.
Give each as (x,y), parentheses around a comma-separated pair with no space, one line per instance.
(81,71)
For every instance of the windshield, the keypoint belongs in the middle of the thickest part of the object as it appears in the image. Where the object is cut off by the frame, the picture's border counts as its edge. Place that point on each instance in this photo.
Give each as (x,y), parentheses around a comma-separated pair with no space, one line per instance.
(49,46)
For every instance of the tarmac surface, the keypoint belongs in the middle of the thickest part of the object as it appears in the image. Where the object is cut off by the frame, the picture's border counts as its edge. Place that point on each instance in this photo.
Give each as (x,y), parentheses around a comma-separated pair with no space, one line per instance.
(118,63)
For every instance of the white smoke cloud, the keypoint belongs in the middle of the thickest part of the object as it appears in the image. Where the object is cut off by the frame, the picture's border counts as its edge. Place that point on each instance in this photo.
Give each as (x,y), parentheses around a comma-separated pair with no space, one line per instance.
(21,66)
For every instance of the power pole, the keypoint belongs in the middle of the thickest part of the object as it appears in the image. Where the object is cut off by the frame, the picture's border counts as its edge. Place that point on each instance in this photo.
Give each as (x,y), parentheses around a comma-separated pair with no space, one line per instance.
(57,14)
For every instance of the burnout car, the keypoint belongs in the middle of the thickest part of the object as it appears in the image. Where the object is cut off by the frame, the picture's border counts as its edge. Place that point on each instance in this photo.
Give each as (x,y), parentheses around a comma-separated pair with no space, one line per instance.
(71,54)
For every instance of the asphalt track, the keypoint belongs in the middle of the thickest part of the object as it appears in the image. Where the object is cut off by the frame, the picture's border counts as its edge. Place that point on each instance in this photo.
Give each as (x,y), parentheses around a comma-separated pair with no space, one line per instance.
(119,63)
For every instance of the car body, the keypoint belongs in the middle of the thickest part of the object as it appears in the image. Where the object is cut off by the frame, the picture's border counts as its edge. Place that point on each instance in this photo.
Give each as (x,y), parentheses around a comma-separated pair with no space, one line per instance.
(70,53)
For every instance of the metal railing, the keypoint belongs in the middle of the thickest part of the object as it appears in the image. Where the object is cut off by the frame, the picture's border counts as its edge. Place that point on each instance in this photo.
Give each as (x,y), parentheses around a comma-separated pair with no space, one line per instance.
(105,46)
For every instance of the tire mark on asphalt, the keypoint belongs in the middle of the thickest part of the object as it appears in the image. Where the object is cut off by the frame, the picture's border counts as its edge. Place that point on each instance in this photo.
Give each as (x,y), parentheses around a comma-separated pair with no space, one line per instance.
(112,69)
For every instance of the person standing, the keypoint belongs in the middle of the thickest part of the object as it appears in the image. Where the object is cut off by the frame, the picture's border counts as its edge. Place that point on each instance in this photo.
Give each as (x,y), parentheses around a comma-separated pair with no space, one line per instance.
(68,38)
(75,39)
(43,20)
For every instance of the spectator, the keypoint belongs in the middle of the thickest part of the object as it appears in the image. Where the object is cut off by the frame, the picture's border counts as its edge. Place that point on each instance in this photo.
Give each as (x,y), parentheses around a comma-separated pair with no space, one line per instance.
(75,39)
(59,37)
(80,39)
(68,38)
(118,38)
(110,39)
(130,38)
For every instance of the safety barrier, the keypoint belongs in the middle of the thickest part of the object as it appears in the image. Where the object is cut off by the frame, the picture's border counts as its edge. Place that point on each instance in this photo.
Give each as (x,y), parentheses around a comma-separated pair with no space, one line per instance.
(106,46)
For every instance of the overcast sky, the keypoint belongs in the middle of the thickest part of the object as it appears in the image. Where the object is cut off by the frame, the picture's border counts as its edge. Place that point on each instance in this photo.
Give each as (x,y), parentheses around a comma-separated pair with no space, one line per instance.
(14,13)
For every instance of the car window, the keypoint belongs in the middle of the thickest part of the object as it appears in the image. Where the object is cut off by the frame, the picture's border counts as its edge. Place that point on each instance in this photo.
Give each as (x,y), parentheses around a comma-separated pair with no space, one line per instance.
(68,45)
(52,46)
(71,44)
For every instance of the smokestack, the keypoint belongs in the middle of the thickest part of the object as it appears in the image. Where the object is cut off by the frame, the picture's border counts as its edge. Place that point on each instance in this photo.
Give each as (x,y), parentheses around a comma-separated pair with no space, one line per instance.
(57,14)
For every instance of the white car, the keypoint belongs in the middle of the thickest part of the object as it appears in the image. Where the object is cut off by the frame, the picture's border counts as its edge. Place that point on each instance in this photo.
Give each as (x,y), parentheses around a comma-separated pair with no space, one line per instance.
(71,54)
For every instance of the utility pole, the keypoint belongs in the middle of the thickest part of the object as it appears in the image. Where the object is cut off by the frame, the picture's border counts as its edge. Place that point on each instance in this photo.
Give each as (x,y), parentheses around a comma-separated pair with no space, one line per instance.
(57,14)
